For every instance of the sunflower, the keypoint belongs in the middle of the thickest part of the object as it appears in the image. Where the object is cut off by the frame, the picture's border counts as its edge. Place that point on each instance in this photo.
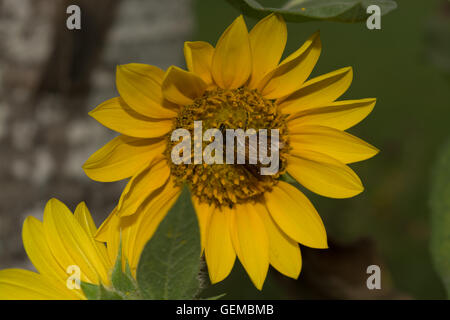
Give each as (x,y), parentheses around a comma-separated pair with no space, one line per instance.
(60,246)
(240,83)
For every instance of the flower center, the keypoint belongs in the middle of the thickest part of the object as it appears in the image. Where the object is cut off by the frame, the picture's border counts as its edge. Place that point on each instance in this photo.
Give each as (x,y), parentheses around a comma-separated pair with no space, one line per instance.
(228,184)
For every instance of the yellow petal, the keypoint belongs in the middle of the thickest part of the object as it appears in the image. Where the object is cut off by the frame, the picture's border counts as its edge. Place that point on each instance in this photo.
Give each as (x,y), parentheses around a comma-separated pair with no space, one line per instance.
(138,229)
(122,157)
(140,86)
(38,251)
(140,187)
(16,284)
(318,91)
(84,218)
(70,244)
(250,241)
(198,55)
(219,251)
(109,233)
(284,253)
(324,175)
(267,41)
(337,144)
(340,115)
(232,61)
(116,115)
(292,72)
(204,212)
(296,216)
(103,230)
(182,87)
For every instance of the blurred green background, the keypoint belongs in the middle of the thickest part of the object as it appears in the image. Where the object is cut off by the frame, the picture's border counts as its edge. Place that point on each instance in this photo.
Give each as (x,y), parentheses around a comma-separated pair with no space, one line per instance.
(409,124)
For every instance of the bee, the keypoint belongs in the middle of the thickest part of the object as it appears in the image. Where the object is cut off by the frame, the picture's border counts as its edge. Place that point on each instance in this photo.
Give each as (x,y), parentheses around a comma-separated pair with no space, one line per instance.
(249,151)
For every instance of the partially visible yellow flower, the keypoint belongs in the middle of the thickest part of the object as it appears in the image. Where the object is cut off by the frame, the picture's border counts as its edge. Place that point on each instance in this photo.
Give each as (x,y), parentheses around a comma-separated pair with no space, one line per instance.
(240,83)
(59,247)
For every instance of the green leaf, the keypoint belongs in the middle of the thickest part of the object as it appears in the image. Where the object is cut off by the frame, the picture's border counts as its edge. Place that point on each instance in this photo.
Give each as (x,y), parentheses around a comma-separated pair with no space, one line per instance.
(123,282)
(106,294)
(309,10)
(440,218)
(98,292)
(91,291)
(170,263)
(123,285)
(128,269)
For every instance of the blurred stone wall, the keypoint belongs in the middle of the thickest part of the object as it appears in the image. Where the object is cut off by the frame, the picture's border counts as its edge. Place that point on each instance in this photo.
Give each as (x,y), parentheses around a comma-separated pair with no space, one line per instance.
(50,77)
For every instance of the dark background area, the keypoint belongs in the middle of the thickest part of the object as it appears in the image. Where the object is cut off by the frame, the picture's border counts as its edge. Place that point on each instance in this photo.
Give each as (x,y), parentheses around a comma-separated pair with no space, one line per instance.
(51,77)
